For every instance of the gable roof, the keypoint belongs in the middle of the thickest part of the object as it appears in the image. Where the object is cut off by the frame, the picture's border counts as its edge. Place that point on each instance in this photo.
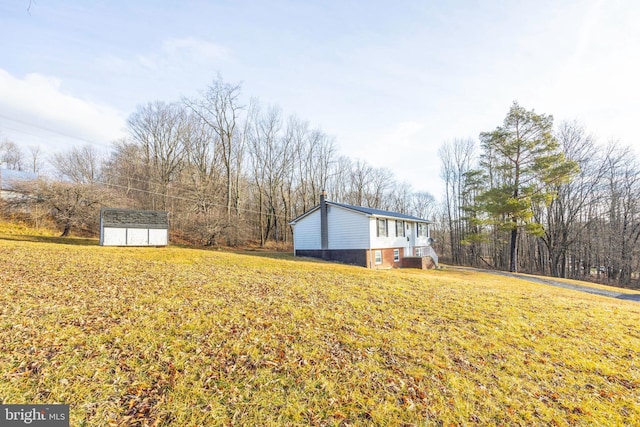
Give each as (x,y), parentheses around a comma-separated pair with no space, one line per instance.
(366,211)
(379,212)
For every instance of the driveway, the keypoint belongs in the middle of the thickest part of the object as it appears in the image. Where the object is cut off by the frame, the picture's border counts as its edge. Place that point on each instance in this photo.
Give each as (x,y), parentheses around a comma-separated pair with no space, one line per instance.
(611,293)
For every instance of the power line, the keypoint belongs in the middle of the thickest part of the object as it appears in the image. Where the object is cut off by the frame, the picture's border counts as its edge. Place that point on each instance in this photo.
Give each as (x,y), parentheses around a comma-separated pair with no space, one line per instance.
(46,129)
(187,199)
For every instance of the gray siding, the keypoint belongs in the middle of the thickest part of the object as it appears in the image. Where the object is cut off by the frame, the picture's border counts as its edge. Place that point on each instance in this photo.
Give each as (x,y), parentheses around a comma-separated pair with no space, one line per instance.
(306,232)
(347,229)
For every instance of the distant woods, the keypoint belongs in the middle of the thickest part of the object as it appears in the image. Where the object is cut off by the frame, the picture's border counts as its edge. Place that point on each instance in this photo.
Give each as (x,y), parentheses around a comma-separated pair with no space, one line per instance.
(529,196)
(544,200)
(230,172)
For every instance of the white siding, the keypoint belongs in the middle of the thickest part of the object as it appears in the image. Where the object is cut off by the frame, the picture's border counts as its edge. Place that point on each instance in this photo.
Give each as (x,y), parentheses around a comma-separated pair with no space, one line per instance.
(306,232)
(423,241)
(158,237)
(137,236)
(114,236)
(390,241)
(347,229)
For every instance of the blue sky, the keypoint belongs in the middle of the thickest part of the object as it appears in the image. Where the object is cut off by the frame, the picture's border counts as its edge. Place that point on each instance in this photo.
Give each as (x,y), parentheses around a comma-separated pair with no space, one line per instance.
(391,81)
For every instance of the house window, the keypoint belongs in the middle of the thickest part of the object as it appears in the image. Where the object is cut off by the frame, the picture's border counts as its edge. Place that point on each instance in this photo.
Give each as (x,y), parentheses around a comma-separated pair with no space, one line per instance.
(382,227)
(378,255)
(396,255)
(400,228)
(423,230)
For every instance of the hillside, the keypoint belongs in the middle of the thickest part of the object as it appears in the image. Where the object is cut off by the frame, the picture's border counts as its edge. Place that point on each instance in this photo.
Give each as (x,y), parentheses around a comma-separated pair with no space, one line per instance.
(174,336)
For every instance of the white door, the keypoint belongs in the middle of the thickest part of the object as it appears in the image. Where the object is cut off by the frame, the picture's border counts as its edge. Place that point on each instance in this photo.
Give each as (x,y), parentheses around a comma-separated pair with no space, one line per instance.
(410,234)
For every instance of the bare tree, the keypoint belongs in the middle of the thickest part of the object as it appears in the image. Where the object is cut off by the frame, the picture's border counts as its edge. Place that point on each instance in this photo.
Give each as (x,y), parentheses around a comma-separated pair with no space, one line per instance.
(457,160)
(271,159)
(378,187)
(359,178)
(339,183)
(160,130)
(125,171)
(563,217)
(71,206)
(35,163)
(423,205)
(314,157)
(400,198)
(203,184)
(81,165)
(623,182)
(220,109)
(11,156)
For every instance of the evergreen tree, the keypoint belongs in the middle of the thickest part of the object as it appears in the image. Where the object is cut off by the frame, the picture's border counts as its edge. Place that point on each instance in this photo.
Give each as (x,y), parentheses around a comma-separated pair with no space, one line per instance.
(521,161)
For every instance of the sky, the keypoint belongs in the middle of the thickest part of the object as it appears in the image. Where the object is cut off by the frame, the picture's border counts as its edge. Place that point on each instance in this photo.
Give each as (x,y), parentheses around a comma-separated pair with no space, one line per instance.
(390,81)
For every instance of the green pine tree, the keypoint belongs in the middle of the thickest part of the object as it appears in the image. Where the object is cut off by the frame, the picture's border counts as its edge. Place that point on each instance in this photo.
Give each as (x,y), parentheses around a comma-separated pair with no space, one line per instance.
(521,162)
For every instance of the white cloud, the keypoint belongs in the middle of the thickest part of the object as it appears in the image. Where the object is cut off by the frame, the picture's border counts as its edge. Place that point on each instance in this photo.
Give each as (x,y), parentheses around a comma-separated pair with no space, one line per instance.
(194,48)
(35,110)
(172,54)
(146,62)
(176,67)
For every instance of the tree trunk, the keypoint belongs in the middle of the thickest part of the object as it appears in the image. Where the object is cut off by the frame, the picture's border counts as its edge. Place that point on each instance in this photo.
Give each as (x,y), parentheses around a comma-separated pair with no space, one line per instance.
(513,265)
(66,230)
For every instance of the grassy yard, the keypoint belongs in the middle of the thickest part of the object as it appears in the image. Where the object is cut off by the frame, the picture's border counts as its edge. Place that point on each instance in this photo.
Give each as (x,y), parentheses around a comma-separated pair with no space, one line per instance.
(185,337)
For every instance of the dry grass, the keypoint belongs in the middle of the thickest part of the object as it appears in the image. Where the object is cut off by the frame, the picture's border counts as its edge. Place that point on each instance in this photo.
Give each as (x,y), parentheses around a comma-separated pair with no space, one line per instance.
(173,336)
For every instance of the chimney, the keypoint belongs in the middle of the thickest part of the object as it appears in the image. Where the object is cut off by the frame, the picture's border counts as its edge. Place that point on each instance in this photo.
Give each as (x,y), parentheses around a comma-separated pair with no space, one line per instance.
(324,223)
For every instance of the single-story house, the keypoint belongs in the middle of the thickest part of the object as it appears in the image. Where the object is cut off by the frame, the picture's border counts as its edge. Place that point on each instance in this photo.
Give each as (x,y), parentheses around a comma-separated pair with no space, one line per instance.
(10,181)
(362,236)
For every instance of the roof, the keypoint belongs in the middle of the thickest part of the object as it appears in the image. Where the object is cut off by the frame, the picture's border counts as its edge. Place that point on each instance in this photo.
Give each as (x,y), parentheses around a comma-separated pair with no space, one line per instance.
(366,211)
(9,177)
(379,212)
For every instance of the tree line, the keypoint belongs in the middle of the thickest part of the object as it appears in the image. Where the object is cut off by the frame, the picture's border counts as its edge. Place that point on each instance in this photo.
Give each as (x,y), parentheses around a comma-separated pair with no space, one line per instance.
(539,199)
(229,172)
(530,197)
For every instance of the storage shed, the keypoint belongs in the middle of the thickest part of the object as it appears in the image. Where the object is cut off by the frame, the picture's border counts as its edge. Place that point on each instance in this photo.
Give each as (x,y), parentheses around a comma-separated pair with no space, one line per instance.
(126,227)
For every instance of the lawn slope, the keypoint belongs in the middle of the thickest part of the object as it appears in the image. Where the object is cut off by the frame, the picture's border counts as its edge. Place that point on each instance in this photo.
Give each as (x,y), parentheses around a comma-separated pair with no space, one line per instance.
(185,337)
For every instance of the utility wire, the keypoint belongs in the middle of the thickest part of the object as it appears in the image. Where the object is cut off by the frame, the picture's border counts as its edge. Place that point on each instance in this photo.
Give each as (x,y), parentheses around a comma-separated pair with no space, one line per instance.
(46,129)
(188,199)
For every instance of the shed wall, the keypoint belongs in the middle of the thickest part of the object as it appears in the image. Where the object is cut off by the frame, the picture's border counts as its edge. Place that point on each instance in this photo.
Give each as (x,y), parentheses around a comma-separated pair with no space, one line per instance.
(124,227)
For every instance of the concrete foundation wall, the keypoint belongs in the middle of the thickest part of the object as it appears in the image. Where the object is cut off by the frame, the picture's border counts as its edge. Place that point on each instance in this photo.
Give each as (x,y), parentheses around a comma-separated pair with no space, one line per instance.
(346,256)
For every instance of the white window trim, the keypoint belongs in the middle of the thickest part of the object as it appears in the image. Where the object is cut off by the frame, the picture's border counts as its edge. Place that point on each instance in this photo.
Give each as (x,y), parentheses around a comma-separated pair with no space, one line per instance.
(378,260)
(386,227)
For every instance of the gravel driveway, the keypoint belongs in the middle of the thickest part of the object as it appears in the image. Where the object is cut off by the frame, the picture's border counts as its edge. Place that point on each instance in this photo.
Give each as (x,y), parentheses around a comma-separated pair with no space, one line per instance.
(612,293)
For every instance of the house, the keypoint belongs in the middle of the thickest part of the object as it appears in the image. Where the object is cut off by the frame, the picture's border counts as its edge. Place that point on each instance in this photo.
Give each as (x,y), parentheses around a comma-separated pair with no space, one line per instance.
(362,236)
(10,181)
